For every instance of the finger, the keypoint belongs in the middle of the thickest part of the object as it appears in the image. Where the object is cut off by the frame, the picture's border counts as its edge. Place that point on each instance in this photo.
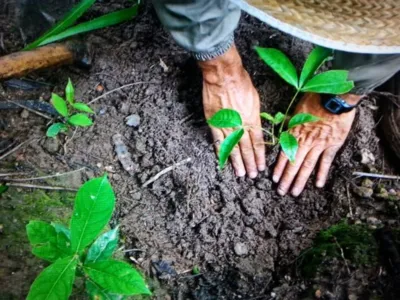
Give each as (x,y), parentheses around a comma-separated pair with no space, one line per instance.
(306,169)
(291,171)
(236,158)
(257,139)
(248,156)
(218,137)
(280,167)
(324,165)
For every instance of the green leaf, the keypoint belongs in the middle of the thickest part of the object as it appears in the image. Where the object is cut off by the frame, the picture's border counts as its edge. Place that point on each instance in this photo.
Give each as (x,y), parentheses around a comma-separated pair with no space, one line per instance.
(117,277)
(94,204)
(103,247)
(55,129)
(3,188)
(82,107)
(280,63)
(196,270)
(225,118)
(279,118)
(43,239)
(70,92)
(227,146)
(66,22)
(55,282)
(96,292)
(80,120)
(63,238)
(289,145)
(330,82)
(301,119)
(98,23)
(267,117)
(59,104)
(314,61)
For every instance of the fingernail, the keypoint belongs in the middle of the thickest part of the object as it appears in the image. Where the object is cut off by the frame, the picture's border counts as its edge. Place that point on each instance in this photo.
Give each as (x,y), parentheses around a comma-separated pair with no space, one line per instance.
(319,184)
(295,192)
(281,192)
(240,173)
(253,175)
(261,168)
(275,178)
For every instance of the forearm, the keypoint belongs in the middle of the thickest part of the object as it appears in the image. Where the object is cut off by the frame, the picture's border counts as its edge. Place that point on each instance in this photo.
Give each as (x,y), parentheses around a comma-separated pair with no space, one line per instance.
(202,27)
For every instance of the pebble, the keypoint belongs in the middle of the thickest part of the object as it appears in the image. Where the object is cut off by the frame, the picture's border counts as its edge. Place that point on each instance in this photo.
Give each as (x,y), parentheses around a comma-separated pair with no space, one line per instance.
(367,157)
(273,295)
(51,145)
(132,120)
(241,249)
(364,192)
(25,114)
(116,177)
(392,192)
(373,221)
(109,169)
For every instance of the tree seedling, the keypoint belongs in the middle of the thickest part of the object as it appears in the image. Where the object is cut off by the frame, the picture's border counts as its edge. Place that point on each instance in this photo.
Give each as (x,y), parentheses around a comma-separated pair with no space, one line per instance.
(82,251)
(64,108)
(330,82)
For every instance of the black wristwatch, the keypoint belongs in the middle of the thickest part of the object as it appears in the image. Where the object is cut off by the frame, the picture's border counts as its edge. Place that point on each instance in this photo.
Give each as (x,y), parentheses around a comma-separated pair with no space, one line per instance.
(335,104)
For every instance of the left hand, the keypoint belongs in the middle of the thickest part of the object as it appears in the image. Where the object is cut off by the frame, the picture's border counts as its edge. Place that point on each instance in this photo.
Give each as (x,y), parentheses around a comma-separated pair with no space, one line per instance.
(317,140)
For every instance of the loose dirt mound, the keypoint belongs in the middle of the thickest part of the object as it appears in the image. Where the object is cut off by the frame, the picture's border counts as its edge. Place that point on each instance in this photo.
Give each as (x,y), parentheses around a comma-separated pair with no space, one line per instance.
(244,237)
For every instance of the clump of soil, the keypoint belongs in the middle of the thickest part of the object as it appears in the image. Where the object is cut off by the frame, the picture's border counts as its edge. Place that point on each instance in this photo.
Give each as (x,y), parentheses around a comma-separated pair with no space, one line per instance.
(243,236)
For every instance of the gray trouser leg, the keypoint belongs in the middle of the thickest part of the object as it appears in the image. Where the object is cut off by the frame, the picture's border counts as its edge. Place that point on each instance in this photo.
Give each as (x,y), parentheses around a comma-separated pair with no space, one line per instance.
(368,71)
(203,27)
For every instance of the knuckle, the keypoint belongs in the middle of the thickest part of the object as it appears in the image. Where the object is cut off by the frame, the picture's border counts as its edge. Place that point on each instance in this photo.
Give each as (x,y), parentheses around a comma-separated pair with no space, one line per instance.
(309,163)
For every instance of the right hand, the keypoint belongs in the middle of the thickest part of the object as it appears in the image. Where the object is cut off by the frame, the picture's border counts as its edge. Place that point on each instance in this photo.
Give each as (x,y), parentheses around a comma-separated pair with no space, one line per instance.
(226,84)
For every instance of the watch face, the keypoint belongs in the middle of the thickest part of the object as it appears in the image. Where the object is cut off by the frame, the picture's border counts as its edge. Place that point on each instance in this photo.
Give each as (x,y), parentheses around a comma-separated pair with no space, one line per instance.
(333,105)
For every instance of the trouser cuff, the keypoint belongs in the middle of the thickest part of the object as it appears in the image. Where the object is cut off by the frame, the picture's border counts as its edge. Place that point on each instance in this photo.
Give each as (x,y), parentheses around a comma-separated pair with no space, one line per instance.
(216,51)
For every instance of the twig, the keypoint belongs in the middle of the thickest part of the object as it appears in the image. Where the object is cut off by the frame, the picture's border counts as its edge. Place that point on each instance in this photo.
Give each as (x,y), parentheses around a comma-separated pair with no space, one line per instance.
(133,250)
(342,255)
(31,110)
(43,187)
(45,177)
(122,87)
(374,175)
(12,174)
(68,140)
(166,170)
(15,148)
(348,199)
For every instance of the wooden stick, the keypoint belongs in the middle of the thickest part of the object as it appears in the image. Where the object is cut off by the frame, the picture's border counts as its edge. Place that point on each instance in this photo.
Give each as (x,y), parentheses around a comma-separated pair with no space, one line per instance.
(122,87)
(43,187)
(45,177)
(166,170)
(12,174)
(374,175)
(16,148)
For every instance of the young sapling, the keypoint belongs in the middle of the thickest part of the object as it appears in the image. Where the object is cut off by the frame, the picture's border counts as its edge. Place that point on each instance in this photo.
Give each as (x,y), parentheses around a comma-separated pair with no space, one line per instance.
(65,109)
(329,82)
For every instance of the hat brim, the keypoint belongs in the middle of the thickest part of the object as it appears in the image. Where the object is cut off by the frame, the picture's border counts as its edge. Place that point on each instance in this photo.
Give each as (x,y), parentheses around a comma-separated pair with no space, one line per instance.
(351,38)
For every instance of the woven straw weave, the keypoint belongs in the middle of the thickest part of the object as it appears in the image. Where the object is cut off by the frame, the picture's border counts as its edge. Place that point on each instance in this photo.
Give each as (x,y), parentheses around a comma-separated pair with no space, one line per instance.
(367,26)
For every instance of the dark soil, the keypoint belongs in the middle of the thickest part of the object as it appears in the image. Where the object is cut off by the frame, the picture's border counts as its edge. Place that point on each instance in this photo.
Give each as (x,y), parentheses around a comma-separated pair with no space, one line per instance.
(196,215)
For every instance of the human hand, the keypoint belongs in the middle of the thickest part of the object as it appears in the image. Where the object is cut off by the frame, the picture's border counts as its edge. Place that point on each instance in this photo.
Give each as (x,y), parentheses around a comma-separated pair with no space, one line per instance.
(226,84)
(319,140)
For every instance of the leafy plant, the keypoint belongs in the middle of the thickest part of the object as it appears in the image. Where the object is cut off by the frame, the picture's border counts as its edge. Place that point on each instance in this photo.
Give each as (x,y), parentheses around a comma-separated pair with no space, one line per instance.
(80,251)
(330,82)
(63,28)
(64,108)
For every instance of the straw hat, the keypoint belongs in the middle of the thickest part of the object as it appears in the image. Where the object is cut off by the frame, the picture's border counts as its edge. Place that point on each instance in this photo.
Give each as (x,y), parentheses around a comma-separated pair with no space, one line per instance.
(364,26)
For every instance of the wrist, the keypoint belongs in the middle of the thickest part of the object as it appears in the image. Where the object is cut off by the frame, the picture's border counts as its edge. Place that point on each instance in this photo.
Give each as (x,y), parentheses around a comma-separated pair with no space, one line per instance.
(352,99)
(222,68)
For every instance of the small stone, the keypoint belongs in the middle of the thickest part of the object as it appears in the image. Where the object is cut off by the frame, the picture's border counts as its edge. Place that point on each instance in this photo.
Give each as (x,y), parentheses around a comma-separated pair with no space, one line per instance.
(99,165)
(116,177)
(273,295)
(51,145)
(133,120)
(367,158)
(25,114)
(109,169)
(358,222)
(368,183)
(241,249)
(392,192)
(318,294)
(353,297)
(103,111)
(373,221)
(124,108)
(363,192)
